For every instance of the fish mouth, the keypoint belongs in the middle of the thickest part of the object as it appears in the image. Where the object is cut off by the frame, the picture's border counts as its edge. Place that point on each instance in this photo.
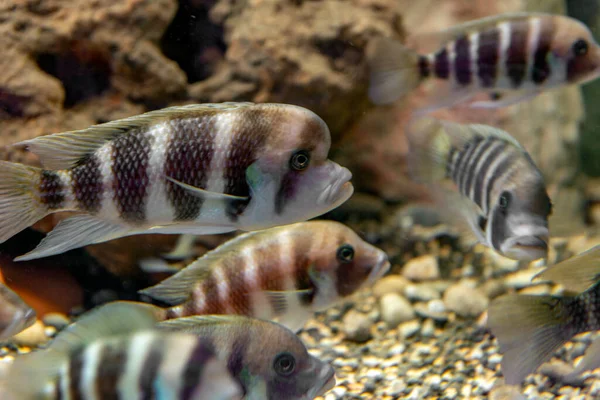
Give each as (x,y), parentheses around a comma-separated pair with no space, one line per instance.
(338,191)
(528,248)
(382,266)
(21,321)
(328,379)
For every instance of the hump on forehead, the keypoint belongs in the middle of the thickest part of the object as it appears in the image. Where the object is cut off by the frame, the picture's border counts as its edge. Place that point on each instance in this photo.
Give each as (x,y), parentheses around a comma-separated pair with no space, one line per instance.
(292,123)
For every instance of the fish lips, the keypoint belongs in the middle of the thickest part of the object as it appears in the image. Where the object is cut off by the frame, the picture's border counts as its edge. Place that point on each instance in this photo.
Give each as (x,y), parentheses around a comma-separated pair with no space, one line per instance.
(527,248)
(382,266)
(339,190)
(21,321)
(327,376)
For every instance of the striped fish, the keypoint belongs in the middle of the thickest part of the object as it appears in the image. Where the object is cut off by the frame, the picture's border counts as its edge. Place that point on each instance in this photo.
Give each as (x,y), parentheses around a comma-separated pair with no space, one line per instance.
(512,57)
(284,274)
(207,168)
(530,329)
(15,314)
(269,361)
(119,354)
(496,187)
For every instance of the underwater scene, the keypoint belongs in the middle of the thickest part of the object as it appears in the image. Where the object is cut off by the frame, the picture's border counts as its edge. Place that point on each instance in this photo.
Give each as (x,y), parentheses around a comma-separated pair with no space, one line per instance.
(299,199)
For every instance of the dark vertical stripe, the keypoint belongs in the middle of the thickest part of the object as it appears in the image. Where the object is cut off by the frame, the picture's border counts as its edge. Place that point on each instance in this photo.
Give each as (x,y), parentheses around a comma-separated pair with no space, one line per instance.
(424,67)
(301,274)
(239,290)
(442,64)
(481,149)
(149,372)
(236,362)
(466,169)
(498,229)
(462,60)
(488,50)
(483,170)
(202,353)
(250,133)
(286,191)
(212,300)
(497,173)
(51,190)
(110,368)
(131,153)
(452,155)
(75,369)
(541,69)
(271,276)
(87,185)
(516,59)
(189,153)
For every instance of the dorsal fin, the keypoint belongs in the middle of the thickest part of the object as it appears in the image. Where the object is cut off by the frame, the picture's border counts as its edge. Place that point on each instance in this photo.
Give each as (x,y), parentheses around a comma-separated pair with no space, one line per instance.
(432,41)
(576,274)
(200,322)
(177,289)
(116,318)
(460,134)
(65,150)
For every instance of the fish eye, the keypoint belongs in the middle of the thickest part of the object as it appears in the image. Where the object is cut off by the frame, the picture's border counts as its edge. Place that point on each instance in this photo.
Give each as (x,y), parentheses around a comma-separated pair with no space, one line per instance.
(284,364)
(300,160)
(345,253)
(580,47)
(504,200)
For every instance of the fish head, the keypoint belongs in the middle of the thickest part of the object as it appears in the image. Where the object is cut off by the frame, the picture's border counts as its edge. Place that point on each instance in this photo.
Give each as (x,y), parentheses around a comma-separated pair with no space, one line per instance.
(292,180)
(518,227)
(15,314)
(277,365)
(341,263)
(573,44)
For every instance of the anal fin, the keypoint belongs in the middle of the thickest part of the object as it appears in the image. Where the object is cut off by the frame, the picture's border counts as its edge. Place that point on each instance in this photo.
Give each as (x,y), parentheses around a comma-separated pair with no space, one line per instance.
(74,232)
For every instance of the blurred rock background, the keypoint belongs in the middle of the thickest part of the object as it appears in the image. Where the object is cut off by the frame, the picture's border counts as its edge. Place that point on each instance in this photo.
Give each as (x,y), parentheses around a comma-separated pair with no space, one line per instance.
(71,64)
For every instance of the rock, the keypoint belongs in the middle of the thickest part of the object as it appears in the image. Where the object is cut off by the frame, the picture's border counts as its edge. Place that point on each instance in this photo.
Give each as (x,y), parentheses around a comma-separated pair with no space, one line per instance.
(434,309)
(538,289)
(408,329)
(57,320)
(35,335)
(357,326)
(390,284)
(465,301)
(421,292)
(395,309)
(521,279)
(562,372)
(422,268)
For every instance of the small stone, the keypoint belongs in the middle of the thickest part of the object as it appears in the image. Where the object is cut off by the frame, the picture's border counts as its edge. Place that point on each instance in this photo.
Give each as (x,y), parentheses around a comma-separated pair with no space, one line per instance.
(521,279)
(32,336)
(375,374)
(428,329)
(339,392)
(540,289)
(421,292)
(395,309)
(422,268)
(390,284)
(409,328)
(465,301)
(357,326)
(398,387)
(501,262)
(435,309)
(561,372)
(57,320)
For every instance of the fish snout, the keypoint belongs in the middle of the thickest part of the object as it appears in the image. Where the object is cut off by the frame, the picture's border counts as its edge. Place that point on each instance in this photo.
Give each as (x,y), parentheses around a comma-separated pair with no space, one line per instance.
(327,376)
(381,267)
(529,248)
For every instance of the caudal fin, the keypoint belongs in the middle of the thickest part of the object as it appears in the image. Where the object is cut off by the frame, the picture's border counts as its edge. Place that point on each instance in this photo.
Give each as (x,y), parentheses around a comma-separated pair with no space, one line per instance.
(394,70)
(19,203)
(529,330)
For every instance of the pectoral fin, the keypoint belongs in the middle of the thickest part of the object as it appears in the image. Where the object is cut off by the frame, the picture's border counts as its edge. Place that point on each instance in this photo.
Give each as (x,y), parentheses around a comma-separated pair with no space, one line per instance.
(205,194)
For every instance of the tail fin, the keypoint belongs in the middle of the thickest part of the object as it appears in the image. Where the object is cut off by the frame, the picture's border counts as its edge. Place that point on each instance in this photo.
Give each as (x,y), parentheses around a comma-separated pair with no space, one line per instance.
(394,71)
(429,148)
(19,207)
(529,330)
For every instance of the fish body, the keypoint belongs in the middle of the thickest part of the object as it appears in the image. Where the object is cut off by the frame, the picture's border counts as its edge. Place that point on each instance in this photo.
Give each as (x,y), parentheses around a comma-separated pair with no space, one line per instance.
(512,57)
(268,360)
(15,314)
(202,168)
(531,328)
(140,363)
(496,188)
(285,274)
